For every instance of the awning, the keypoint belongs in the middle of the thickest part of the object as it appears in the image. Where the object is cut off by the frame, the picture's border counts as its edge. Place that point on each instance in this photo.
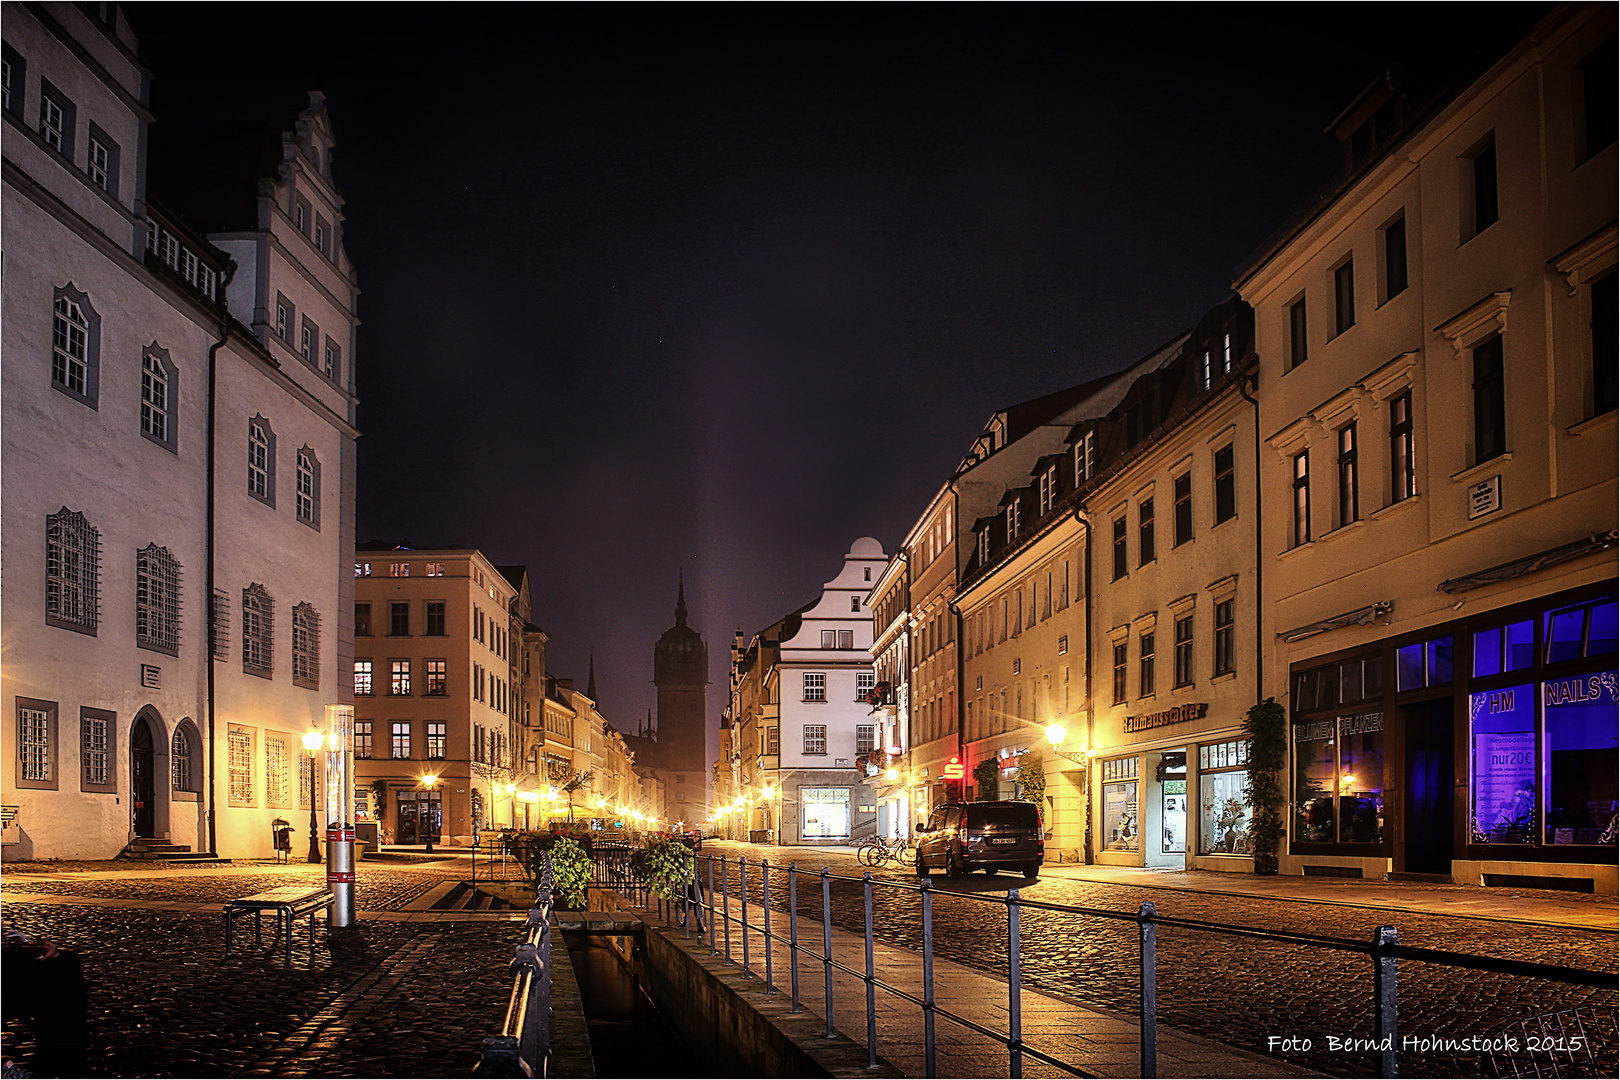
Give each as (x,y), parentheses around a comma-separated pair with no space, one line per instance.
(1530,563)
(1358,617)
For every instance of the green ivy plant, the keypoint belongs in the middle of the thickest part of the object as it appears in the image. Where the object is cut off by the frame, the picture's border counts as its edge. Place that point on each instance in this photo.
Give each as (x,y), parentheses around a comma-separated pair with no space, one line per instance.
(379,801)
(664,866)
(1031,777)
(984,775)
(1266,728)
(571,871)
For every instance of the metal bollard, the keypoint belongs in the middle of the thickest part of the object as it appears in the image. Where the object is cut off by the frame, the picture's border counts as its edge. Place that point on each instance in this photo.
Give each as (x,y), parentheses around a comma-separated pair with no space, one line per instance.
(1015,1019)
(929,1069)
(793,930)
(1384,1001)
(826,945)
(871,989)
(1150,993)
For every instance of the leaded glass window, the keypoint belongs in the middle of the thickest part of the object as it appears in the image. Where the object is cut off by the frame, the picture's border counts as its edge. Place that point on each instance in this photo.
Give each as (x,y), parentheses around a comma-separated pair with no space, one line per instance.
(157,599)
(72,569)
(306,646)
(258,624)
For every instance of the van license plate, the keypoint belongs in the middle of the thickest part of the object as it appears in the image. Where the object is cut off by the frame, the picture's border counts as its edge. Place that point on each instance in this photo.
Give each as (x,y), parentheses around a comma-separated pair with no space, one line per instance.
(1003,840)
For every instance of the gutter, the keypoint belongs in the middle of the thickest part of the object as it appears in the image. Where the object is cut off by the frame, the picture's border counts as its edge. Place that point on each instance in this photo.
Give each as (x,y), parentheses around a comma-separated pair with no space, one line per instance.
(1259,561)
(208,558)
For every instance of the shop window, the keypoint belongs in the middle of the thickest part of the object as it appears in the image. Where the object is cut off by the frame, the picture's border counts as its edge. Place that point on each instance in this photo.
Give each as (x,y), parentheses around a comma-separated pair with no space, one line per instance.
(1504,648)
(1423,663)
(1121,821)
(1360,680)
(1587,630)
(1222,774)
(1502,774)
(1581,779)
(1339,779)
(1316,689)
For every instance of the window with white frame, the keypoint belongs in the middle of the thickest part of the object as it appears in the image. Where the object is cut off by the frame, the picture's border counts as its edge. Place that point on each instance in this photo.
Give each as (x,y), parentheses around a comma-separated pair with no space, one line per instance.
(815,686)
(815,738)
(158,385)
(362,678)
(284,318)
(157,600)
(95,748)
(334,360)
(307,489)
(308,336)
(53,124)
(261,451)
(99,164)
(180,760)
(1048,488)
(75,346)
(72,571)
(306,646)
(8,72)
(1014,518)
(865,682)
(277,784)
(36,743)
(240,763)
(865,738)
(984,546)
(399,678)
(258,624)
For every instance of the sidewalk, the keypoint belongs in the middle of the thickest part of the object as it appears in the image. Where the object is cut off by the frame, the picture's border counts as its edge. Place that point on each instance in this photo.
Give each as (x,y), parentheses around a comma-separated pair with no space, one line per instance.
(1539,907)
(1101,1042)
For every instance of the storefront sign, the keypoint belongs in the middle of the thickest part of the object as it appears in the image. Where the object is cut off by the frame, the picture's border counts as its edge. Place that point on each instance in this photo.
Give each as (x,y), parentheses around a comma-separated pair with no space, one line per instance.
(1485,497)
(1178,715)
(1582,688)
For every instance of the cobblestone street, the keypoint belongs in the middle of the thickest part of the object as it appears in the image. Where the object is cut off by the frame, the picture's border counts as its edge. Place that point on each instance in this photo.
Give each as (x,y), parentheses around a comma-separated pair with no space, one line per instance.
(393,998)
(1237,990)
(413,998)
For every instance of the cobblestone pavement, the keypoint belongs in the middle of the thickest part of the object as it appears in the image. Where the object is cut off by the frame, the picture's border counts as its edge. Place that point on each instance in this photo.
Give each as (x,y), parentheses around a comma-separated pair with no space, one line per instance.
(387,999)
(1238,990)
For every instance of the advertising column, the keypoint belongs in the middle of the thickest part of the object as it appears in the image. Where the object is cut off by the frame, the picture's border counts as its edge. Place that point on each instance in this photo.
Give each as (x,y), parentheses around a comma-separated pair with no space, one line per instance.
(340,812)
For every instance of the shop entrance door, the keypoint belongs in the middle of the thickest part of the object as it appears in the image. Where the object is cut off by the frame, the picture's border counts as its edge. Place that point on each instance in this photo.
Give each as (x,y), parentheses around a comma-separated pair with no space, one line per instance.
(1429,830)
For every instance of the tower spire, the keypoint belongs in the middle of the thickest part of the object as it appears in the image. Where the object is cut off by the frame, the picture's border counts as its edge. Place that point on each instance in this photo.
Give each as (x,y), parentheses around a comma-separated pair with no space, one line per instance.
(680,600)
(590,680)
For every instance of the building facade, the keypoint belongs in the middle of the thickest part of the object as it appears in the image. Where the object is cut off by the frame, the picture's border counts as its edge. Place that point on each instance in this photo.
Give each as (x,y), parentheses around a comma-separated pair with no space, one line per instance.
(433,731)
(1438,489)
(179,484)
(890,604)
(819,686)
(672,759)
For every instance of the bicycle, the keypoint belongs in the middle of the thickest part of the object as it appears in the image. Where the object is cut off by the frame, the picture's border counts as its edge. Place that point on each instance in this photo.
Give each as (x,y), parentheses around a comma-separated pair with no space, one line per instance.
(880,850)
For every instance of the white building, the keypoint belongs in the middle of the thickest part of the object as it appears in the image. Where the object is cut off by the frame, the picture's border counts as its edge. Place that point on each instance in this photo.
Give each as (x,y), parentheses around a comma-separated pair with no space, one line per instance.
(179,460)
(821,684)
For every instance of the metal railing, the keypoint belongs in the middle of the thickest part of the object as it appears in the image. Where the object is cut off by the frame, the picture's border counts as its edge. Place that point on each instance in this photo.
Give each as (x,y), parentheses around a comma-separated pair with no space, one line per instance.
(523,1048)
(709,891)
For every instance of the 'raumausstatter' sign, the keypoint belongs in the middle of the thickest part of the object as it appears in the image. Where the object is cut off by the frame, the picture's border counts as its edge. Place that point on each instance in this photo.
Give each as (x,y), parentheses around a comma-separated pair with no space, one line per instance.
(1180,714)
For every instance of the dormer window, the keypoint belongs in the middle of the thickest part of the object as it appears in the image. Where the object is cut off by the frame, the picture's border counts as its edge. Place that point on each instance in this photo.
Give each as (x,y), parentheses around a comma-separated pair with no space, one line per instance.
(984,546)
(1014,520)
(1048,488)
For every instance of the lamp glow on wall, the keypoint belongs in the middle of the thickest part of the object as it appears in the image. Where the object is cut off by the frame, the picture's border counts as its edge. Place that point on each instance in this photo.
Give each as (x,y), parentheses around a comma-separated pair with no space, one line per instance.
(1056,734)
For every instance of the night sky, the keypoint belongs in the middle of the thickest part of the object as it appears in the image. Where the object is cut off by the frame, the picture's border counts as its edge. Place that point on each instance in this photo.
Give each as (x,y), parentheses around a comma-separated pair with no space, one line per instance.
(725,287)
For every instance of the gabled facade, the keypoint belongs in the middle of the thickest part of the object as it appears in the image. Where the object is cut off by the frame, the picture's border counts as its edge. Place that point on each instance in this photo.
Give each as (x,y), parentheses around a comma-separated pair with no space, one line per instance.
(178,502)
(1438,367)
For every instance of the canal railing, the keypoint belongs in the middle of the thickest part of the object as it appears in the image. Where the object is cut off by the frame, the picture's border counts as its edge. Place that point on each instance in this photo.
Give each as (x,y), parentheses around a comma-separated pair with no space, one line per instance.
(715,881)
(523,1048)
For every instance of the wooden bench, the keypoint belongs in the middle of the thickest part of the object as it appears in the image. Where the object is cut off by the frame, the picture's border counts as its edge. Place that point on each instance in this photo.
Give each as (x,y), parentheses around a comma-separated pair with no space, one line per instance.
(288,902)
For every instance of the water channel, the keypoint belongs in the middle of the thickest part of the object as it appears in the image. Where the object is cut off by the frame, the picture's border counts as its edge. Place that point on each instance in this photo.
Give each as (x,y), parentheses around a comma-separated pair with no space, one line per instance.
(629,1036)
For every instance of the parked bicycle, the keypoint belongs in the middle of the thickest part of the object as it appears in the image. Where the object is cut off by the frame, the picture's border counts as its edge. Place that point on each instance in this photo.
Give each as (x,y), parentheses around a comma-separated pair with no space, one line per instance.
(882,849)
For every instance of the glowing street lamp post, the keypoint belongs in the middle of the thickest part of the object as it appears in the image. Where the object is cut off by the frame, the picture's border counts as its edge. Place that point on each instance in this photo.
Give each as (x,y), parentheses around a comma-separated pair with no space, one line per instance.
(312,743)
(428,780)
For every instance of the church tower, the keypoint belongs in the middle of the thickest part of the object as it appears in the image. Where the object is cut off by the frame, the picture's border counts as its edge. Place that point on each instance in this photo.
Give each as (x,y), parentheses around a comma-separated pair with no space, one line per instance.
(681,673)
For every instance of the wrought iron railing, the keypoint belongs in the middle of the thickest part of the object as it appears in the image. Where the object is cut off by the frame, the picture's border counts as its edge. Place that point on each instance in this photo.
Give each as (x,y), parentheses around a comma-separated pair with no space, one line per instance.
(717,882)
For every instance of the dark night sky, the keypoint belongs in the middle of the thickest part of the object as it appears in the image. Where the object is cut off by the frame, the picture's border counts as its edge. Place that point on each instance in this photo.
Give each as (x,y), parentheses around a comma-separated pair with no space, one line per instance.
(727,287)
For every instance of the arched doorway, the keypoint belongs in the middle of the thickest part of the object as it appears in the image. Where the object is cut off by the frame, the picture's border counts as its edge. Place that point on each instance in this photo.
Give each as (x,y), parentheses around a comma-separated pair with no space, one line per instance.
(142,785)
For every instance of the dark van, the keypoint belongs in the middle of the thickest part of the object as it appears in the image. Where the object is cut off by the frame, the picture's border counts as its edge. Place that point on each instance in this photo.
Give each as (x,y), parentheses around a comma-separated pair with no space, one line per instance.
(988,836)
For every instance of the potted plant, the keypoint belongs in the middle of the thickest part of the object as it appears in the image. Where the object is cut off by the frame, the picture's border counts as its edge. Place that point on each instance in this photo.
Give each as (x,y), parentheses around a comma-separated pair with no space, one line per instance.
(985,775)
(1267,731)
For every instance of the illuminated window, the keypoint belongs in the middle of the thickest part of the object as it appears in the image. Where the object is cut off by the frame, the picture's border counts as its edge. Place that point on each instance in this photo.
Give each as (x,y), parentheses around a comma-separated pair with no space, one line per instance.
(362,678)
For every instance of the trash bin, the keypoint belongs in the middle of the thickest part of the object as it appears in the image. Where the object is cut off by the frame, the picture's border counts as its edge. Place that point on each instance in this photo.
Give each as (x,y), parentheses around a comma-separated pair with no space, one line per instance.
(281,838)
(759,836)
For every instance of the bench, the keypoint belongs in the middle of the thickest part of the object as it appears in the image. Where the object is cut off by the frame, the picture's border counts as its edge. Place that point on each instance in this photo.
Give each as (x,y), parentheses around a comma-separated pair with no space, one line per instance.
(288,902)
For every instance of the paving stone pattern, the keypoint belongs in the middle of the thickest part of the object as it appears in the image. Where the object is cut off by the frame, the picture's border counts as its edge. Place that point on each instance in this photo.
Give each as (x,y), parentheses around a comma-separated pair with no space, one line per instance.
(1237,990)
(387,999)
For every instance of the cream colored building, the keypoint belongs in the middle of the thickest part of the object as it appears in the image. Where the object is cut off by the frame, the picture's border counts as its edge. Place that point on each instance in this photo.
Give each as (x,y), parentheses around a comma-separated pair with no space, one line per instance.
(1437,389)
(1173,604)
(890,604)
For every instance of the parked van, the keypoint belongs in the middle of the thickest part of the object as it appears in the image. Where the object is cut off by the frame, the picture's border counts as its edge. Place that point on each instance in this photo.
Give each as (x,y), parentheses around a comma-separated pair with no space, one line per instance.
(988,836)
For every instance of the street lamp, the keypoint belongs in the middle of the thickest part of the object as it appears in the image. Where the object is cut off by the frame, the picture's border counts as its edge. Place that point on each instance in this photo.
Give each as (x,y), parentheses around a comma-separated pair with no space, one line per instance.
(428,780)
(312,743)
(1056,734)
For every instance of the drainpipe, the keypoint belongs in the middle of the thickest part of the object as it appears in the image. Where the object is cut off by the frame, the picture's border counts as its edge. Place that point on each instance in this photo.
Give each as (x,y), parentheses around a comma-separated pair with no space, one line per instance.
(208,561)
(1259,562)
(1091,707)
(956,615)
